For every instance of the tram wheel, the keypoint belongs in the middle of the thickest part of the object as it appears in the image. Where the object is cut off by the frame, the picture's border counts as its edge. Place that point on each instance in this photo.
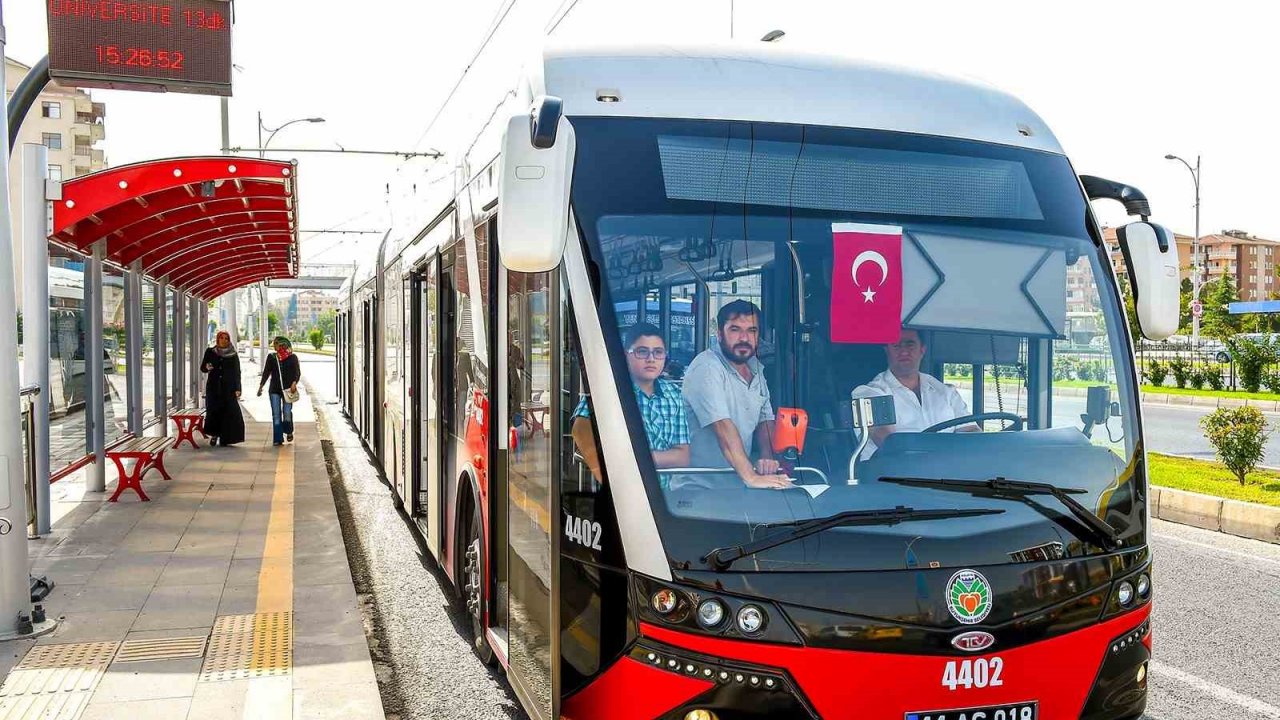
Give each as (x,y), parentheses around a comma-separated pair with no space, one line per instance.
(473,589)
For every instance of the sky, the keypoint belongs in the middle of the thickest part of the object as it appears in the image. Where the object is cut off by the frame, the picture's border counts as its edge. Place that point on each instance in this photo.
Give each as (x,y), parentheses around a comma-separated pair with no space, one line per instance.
(1120,84)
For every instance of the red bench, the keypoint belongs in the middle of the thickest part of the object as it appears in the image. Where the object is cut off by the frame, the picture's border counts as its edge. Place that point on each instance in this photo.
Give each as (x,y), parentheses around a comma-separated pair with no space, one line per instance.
(147,453)
(188,421)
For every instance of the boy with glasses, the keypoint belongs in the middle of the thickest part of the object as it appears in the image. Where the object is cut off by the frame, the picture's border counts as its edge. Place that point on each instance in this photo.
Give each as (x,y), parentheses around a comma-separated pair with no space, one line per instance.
(660,401)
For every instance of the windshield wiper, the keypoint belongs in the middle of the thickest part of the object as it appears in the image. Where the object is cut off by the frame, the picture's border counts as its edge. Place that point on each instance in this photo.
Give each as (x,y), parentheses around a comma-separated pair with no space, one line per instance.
(1100,531)
(721,558)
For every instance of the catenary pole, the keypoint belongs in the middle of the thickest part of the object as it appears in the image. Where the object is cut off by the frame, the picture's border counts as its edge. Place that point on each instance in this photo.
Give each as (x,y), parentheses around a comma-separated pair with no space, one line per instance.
(35,316)
(15,588)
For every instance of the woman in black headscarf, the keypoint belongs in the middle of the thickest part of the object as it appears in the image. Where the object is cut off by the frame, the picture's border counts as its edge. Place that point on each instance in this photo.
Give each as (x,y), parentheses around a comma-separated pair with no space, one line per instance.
(223,422)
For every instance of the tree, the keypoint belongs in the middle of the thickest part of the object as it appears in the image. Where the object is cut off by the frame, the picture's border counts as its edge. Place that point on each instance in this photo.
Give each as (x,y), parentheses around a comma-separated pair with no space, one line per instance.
(1216,321)
(326,322)
(1239,435)
(316,337)
(1130,311)
(1184,306)
(273,322)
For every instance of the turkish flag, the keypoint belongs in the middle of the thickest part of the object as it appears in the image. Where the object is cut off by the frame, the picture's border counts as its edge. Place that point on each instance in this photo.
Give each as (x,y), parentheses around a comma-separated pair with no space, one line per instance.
(866,283)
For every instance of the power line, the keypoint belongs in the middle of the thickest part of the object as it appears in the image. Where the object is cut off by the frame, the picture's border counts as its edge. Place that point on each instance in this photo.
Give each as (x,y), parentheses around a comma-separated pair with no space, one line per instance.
(556,23)
(493,29)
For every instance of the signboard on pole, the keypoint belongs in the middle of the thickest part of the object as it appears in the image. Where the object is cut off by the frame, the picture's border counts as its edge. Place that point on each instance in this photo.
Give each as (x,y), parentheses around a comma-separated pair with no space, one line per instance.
(1197,308)
(163,46)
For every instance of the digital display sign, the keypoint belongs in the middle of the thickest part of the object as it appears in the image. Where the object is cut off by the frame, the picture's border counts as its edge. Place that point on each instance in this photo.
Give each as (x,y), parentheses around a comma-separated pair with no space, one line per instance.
(171,45)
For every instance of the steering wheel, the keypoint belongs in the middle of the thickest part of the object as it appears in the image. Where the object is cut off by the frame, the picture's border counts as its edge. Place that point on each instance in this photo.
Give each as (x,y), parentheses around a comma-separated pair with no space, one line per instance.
(978,417)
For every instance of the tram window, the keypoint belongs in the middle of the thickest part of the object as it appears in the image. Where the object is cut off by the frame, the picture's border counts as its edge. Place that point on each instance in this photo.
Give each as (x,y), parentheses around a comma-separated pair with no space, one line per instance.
(530,472)
(682,330)
(588,522)
(723,292)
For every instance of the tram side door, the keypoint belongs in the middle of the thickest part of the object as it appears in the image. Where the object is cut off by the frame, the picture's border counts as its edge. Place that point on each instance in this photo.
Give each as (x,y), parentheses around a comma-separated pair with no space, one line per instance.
(533,491)
(366,367)
(426,392)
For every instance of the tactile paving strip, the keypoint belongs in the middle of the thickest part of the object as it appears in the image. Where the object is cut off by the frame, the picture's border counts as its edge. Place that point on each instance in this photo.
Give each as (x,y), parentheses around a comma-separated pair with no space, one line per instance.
(161,649)
(249,646)
(65,668)
(59,706)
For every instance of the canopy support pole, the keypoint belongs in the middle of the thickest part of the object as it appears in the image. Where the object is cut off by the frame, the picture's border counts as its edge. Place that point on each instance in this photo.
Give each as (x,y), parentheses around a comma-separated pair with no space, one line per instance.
(161,353)
(95,408)
(179,350)
(133,344)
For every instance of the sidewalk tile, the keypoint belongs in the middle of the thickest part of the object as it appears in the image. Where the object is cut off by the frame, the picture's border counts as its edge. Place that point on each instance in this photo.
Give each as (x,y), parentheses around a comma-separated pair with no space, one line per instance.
(165,709)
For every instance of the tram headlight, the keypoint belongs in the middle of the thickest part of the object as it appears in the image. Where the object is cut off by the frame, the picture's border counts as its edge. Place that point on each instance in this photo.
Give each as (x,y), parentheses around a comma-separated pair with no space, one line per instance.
(710,614)
(751,619)
(664,601)
(1124,593)
(1144,586)
(700,714)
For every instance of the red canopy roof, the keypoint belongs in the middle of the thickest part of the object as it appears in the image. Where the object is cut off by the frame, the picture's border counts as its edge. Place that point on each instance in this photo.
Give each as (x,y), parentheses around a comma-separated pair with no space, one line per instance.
(208,224)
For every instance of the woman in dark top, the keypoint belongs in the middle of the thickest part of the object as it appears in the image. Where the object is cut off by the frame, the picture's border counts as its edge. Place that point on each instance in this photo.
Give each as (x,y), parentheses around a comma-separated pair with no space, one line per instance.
(284,372)
(223,422)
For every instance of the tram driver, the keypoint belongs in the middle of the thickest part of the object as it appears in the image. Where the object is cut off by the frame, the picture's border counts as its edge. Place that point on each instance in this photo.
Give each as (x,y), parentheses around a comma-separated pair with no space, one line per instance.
(919,399)
(660,401)
(728,404)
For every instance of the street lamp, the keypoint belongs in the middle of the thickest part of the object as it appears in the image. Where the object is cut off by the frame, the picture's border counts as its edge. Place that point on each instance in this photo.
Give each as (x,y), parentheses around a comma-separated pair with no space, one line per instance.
(262,288)
(262,147)
(1195,247)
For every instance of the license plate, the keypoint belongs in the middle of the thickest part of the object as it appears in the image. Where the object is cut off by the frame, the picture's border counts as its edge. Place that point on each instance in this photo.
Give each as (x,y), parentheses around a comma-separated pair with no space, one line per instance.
(1011,711)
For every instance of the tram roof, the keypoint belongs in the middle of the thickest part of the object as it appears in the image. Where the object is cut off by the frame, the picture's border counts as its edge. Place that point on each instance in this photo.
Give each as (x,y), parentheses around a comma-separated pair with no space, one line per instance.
(774,83)
(208,225)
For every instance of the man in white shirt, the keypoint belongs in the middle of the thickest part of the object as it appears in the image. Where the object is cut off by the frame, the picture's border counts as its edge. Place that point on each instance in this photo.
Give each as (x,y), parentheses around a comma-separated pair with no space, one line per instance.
(919,399)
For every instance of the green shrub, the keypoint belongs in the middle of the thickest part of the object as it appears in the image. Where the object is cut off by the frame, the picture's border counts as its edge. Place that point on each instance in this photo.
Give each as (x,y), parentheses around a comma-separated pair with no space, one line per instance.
(1251,357)
(317,338)
(1197,378)
(1181,370)
(1157,372)
(1239,436)
(1213,378)
(1272,381)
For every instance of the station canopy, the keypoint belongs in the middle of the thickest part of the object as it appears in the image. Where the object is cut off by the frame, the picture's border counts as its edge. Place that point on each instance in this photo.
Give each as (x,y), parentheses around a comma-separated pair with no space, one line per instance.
(207,224)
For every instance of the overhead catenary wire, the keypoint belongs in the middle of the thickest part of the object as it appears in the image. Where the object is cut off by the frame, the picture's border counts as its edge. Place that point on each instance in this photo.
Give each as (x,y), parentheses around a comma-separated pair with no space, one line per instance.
(558,16)
(500,16)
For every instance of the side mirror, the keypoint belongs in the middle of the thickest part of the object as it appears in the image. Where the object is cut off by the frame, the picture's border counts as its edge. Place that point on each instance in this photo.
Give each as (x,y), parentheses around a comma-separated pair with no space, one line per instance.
(1152,257)
(533,194)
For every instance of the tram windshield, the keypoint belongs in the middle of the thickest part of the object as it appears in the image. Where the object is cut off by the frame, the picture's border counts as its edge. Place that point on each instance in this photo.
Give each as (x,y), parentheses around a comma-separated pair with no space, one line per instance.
(759,279)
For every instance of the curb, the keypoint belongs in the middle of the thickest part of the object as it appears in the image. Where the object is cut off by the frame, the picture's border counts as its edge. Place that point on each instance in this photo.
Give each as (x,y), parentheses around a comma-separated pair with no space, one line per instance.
(1233,517)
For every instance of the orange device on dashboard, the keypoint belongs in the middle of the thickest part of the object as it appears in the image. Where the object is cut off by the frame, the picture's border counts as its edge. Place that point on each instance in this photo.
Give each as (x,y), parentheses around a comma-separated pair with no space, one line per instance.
(788,432)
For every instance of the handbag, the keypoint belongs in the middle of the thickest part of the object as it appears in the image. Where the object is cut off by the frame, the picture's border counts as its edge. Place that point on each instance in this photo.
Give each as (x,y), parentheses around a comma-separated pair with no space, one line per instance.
(291,396)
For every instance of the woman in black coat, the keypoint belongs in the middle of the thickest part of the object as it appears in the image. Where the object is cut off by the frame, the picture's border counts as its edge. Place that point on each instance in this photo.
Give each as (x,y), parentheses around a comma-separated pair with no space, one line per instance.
(223,422)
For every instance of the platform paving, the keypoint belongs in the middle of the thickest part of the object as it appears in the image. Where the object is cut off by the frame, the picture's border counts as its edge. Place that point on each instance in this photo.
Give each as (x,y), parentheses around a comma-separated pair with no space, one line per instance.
(235,575)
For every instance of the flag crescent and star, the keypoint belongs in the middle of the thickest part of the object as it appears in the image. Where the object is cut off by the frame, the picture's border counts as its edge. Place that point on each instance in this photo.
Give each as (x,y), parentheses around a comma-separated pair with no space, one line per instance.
(866,283)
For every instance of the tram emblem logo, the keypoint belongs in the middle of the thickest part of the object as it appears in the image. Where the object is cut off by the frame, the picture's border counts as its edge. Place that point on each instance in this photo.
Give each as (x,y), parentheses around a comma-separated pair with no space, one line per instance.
(973,641)
(969,597)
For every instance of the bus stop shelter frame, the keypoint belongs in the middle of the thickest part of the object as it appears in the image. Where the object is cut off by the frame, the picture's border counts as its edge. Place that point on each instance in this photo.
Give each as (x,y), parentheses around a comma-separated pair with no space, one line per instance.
(199,226)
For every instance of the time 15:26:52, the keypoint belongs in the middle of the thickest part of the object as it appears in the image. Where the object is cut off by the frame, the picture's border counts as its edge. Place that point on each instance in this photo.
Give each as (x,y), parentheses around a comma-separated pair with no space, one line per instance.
(140,57)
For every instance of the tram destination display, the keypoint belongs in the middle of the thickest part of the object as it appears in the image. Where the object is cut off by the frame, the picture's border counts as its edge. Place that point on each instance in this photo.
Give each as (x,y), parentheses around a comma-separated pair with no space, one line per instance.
(170,46)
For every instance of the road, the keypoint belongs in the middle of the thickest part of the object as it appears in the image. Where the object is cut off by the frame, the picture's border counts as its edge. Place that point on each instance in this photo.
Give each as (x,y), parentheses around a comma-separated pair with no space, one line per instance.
(1173,429)
(1216,622)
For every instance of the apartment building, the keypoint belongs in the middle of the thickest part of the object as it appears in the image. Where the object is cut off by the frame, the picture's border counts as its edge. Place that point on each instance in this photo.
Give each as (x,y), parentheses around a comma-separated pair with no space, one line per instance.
(70,124)
(1251,261)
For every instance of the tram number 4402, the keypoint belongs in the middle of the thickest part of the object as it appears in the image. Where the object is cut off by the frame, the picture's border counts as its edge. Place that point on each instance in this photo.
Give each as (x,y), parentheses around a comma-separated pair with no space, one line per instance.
(979,673)
(583,532)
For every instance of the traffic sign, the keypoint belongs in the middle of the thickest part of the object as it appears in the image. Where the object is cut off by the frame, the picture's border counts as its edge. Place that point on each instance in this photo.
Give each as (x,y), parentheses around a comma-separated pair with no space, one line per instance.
(170,45)
(1197,308)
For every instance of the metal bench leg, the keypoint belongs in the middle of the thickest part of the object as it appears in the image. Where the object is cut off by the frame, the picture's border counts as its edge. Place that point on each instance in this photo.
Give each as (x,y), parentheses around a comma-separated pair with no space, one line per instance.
(157,462)
(130,479)
(186,431)
(200,427)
